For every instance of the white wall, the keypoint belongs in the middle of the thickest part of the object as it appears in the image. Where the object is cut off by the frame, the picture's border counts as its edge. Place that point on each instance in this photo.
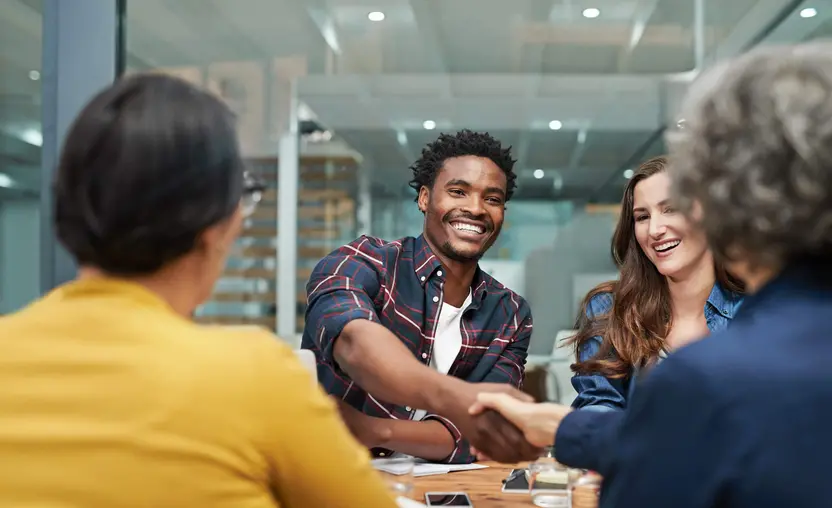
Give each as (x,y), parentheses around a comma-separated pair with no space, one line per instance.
(582,247)
(19,253)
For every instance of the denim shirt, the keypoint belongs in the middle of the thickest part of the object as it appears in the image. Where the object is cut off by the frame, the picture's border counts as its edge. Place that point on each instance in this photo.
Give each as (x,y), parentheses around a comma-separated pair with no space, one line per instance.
(598,393)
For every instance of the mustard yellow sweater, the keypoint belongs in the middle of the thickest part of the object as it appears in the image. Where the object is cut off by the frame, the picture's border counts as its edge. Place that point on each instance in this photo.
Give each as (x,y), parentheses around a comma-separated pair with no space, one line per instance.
(109,399)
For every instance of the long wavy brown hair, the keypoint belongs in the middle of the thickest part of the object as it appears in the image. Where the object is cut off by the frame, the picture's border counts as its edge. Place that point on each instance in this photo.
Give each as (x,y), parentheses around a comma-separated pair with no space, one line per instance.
(634,330)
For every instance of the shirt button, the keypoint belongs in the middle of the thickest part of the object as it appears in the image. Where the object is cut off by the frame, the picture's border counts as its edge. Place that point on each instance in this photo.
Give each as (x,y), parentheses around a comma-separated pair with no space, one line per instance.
(407,408)
(422,278)
(439,273)
(424,355)
(435,299)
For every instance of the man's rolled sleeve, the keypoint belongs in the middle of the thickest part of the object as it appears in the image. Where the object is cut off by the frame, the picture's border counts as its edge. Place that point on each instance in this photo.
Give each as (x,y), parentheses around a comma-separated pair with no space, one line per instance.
(462,449)
(339,291)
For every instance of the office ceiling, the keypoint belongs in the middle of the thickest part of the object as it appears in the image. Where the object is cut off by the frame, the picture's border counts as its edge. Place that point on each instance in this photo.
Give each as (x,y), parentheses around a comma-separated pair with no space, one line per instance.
(511,67)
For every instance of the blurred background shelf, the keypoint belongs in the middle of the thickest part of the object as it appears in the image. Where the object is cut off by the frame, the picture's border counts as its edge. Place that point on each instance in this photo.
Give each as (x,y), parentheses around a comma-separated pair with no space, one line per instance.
(246,294)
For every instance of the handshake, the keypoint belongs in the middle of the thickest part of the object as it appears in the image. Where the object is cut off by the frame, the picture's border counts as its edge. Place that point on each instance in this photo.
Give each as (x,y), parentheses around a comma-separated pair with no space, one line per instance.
(508,426)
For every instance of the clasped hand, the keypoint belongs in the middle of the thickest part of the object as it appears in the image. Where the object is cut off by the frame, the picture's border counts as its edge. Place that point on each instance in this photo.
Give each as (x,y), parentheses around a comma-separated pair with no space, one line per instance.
(537,422)
(489,432)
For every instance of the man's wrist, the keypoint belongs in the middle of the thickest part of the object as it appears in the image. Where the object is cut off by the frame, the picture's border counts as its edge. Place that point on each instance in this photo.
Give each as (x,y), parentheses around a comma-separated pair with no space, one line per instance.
(382,431)
(445,397)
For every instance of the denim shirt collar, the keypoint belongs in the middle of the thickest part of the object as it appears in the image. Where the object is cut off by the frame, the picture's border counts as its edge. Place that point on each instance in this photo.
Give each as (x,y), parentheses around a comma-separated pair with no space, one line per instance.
(723,301)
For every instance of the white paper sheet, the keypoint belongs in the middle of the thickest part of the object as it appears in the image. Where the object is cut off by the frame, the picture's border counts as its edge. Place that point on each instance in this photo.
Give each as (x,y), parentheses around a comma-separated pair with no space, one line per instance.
(425,468)
(404,502)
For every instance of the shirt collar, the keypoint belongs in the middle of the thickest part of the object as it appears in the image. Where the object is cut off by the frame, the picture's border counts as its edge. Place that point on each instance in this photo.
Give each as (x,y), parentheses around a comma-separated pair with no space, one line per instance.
(425,261)
(724,301)
(426,264)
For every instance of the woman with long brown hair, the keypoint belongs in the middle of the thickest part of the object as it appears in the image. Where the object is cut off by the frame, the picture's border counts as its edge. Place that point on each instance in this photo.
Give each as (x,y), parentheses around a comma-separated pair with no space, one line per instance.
(670,291)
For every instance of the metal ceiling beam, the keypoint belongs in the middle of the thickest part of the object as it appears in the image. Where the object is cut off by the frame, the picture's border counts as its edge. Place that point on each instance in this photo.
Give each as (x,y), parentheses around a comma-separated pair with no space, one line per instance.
(521,151)
(644,11)
(433,40)
(403,144)
(319,14)
(580,148)
(759,23)
(491,101)
(532,64)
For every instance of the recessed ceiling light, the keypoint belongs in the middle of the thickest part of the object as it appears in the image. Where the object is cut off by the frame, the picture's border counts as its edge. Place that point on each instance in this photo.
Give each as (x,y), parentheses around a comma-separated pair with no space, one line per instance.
(592,12)
(808,12)
(555,125)
(401,137)
(32,136)
(34,75)
(376,16)
(628,173)
(429,125)
(538,173)
(6,180)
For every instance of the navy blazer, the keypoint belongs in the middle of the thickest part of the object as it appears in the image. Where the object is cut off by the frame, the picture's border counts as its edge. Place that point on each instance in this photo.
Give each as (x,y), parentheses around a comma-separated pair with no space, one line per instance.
(740,419)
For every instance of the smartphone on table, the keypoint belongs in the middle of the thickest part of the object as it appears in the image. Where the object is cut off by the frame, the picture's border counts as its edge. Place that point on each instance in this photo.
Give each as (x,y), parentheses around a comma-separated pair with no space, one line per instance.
(448,499)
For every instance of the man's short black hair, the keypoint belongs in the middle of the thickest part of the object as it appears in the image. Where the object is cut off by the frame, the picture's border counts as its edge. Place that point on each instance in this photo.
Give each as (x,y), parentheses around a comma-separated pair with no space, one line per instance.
(149,164)
(464,142)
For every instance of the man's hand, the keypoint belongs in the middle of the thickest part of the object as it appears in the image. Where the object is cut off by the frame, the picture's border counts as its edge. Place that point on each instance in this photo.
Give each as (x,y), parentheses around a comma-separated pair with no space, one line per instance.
(539,422)
(369,431)
(488,432)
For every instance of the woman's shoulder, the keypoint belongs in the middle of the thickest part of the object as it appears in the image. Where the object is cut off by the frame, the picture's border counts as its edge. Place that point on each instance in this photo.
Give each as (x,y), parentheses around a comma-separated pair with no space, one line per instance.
(250,352)
(599,304)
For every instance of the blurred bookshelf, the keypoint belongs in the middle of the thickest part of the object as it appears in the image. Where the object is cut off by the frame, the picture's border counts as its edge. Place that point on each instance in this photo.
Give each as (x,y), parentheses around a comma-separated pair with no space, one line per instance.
(247,294)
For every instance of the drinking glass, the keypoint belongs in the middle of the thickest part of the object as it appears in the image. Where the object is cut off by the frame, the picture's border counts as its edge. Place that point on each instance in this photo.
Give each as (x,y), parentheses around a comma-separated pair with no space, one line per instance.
(549,482)
(586,490)
(397,473)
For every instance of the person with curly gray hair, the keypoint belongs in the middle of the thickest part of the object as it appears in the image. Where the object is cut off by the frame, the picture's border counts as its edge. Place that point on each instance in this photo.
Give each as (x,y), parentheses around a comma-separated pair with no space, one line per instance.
(744,415)
(740,419)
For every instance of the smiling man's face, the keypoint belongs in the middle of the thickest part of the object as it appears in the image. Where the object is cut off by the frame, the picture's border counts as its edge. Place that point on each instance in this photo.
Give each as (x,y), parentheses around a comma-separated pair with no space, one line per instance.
(465,208)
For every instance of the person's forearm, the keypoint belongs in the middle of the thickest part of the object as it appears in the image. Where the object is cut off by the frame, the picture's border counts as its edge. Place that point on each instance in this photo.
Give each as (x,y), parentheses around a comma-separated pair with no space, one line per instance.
(428,440)
(381,365)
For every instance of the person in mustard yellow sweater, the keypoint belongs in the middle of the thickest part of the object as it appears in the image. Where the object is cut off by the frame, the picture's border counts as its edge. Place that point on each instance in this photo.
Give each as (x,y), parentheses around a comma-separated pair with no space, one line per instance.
(110,396)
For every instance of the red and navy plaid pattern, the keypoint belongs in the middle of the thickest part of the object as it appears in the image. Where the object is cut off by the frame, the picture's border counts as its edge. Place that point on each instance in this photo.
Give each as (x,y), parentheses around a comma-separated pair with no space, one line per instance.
(399,284)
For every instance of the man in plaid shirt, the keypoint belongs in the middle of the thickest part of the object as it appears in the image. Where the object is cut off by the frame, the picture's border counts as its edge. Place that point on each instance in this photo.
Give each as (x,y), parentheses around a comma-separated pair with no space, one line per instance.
(406,333)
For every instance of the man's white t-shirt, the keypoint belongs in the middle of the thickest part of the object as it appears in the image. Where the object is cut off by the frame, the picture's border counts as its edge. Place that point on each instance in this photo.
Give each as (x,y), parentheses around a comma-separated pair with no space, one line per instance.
(447,342)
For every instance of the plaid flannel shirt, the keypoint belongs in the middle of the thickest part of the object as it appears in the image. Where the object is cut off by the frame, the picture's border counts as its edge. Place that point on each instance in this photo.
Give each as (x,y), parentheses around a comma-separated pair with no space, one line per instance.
(399,284)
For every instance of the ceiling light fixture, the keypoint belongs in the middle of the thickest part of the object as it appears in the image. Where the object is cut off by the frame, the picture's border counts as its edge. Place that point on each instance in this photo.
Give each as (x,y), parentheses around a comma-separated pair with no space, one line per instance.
(808,12)
(591,13)
(539,174)
(6,180)
(32,136)
(555,125)
(628,173)
(34,75)
(429,125)
(376,16)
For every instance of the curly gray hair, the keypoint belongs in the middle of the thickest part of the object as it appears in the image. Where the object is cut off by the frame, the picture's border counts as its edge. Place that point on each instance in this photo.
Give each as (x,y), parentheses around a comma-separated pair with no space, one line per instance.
(755,152)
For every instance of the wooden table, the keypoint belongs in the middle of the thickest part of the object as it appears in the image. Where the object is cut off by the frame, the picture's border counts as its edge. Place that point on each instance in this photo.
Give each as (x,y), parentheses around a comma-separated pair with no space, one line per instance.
(482,486)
